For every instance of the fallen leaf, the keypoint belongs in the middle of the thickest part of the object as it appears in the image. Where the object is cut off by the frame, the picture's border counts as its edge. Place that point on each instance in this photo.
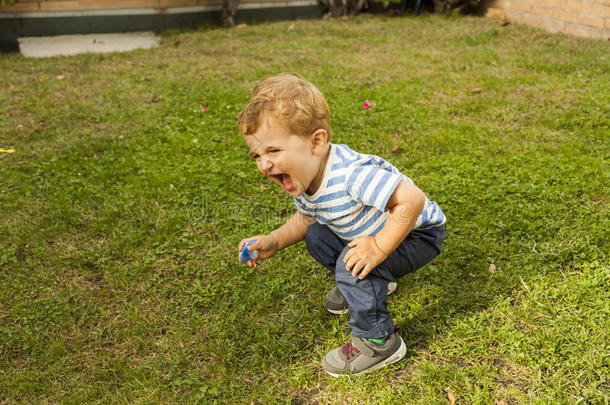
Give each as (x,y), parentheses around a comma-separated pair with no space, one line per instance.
(492,268)
(19,163)
(451,396)
(504,24)
(344,17)
(396,149)
(11,86)
(242,25)
(476,90)
(61,77)
(7,150)
(19,127)
(177,43)
(262,187)
(291,27)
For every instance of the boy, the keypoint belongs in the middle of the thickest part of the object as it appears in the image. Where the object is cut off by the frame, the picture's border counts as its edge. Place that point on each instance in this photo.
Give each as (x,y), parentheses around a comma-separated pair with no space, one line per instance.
(359,216)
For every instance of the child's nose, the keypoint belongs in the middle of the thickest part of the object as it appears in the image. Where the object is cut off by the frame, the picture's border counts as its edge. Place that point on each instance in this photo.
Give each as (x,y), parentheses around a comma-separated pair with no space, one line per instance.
(266,163)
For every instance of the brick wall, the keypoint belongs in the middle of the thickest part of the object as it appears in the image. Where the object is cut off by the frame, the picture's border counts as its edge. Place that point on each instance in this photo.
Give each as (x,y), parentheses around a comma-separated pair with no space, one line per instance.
(80,5)
(584,18)
(34,18)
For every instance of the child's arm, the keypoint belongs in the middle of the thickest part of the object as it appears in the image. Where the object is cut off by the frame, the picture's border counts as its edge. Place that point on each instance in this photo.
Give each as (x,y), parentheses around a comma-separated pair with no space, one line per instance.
(293,231)
(406,204)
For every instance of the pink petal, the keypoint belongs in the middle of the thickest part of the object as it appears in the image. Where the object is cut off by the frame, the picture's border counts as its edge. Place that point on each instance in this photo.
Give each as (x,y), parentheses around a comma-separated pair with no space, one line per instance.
(204,109)
(366,105)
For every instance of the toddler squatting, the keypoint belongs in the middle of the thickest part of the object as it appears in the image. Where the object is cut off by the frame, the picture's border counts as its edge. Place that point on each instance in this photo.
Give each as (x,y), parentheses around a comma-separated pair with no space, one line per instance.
(359,216)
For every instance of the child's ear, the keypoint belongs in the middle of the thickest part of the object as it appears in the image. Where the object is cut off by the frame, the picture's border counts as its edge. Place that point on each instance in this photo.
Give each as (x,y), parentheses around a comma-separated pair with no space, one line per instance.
(318,139)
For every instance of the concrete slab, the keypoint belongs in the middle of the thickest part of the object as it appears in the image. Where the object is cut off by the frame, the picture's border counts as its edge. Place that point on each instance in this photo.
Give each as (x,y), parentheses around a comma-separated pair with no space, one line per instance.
(42,47)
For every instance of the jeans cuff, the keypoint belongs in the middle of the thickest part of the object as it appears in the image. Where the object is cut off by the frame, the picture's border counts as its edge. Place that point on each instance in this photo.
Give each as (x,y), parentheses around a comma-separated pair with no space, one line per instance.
(381,331)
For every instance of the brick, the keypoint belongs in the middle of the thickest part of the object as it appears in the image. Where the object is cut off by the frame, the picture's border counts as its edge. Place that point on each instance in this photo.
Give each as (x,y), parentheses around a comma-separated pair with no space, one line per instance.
(607,23)
(495,13)
(553,25)
(543,11)
(138,3)
(600,34)
(21,6)
(522,6)
(551,3)
(601,10)
(514,16)
(59,5)
(97,4)
(177,3)
(575,5)
(591,21)
(532,20)
(565,16)
(578,30)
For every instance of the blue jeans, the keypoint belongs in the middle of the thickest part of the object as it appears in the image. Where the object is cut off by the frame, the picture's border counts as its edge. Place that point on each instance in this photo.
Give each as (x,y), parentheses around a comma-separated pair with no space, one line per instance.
(367,299)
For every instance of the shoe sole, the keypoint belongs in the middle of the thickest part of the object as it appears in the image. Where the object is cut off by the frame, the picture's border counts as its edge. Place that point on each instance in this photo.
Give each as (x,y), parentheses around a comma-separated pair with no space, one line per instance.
(391,289)
(396,357)
(338,311)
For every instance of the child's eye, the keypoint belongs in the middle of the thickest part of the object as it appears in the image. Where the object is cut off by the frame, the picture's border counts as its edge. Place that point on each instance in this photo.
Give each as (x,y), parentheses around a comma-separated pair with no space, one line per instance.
(255,157)
(274,150)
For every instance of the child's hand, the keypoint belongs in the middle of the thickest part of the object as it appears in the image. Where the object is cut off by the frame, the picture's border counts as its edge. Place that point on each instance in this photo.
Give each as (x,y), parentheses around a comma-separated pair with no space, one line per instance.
(265,244)
(363,256)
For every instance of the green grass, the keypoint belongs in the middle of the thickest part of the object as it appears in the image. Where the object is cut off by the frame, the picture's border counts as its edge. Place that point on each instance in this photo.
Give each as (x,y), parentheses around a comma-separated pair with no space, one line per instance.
(122,207)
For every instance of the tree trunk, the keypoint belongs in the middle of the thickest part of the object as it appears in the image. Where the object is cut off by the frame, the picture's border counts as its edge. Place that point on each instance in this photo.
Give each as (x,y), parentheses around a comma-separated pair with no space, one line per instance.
(344,8)
(355,7)
(336,8)
(229,7)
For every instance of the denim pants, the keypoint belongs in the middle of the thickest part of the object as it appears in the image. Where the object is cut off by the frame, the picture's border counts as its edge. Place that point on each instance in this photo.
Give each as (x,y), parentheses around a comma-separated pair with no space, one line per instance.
(367,299)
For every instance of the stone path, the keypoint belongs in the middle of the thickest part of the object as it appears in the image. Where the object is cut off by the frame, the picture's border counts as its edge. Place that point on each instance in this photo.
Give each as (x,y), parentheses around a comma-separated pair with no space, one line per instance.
(42,47)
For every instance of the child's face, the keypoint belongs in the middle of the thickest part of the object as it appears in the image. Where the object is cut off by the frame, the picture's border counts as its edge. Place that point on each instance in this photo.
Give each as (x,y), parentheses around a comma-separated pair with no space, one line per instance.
(291,161)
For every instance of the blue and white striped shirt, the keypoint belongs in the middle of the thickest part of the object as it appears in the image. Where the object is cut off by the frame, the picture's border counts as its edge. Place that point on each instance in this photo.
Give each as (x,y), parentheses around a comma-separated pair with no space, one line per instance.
(353,195)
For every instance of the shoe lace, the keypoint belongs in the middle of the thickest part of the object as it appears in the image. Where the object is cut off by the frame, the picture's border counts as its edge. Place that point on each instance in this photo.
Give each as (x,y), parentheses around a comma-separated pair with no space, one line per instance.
(349,350)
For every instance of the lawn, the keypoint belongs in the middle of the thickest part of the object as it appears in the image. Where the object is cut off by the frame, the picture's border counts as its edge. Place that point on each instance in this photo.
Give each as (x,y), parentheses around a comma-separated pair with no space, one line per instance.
(123,203)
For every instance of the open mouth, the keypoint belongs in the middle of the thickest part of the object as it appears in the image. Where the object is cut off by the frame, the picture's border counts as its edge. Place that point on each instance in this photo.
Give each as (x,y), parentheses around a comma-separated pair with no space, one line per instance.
(285,181)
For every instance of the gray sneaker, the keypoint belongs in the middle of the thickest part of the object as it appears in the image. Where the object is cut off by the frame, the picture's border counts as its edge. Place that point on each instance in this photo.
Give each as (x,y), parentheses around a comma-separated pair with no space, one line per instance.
(335,303)
(360,356)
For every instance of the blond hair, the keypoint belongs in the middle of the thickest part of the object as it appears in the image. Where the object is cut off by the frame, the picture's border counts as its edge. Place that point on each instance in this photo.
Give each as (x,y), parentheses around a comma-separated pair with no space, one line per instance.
(288,97)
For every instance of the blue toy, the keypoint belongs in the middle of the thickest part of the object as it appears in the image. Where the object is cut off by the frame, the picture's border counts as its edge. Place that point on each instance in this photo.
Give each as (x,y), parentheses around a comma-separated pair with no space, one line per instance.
(248,254)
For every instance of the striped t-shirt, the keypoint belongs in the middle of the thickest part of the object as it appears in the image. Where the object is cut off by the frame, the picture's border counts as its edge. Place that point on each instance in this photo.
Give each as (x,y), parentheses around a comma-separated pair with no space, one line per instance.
(353,195)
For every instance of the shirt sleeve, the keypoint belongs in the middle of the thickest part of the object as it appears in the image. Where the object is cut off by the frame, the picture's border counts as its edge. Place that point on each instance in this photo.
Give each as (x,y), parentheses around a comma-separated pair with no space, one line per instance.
(372,185)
